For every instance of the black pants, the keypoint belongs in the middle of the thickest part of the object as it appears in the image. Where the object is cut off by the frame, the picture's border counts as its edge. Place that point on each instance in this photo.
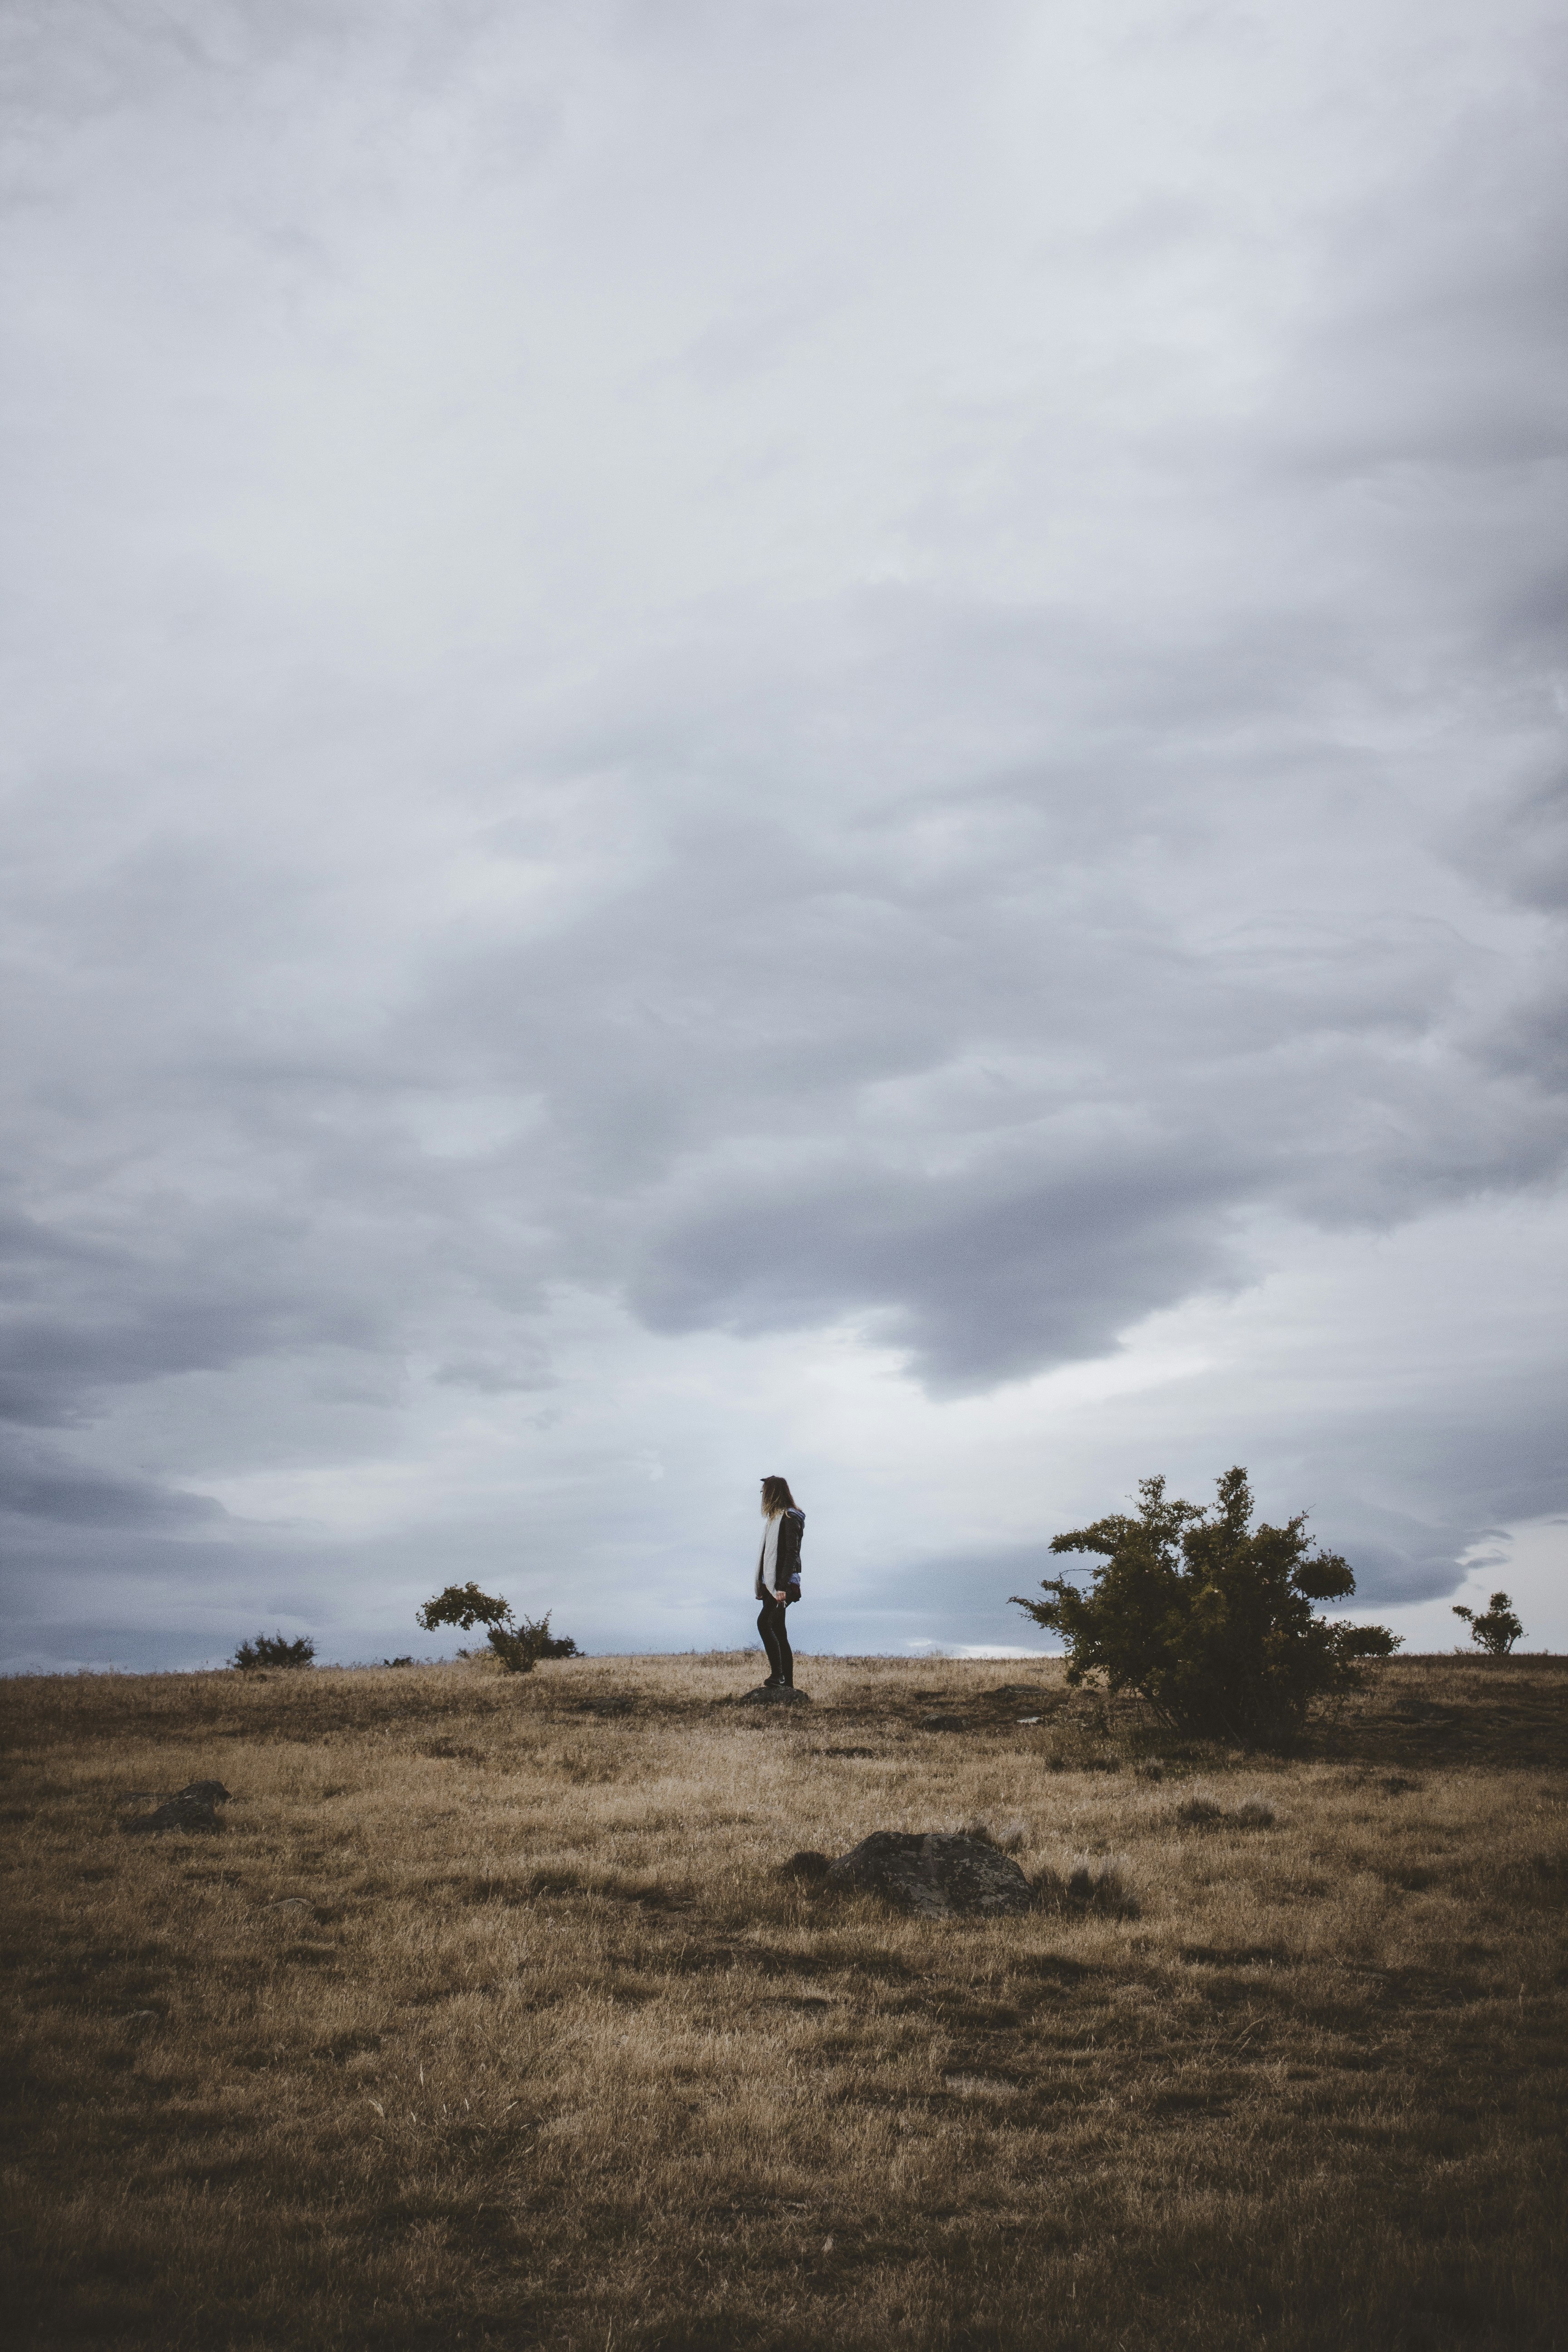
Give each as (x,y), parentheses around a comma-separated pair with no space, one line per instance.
(776,1642)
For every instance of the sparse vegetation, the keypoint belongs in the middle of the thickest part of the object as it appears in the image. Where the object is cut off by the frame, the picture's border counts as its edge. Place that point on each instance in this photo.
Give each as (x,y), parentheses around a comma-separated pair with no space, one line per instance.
(492,2020)
(1102,1888)
(1203,1813)
(1208,1618)
(518,1643)
(273,1649)
(1496,1629)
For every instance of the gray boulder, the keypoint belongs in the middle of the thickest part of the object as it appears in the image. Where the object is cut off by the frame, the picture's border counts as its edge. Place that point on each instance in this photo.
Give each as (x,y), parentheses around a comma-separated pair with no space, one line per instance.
(939,1875)
(764,1697)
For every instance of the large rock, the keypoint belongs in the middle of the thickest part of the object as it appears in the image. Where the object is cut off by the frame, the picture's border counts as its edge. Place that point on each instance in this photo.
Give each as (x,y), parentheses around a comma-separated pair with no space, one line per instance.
(764,1697)
(940,1875)
(203,1793)
(195,1807)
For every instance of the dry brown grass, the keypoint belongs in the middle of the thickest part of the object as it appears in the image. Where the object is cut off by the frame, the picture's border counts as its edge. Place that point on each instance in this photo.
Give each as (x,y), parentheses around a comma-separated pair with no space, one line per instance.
(486,2018)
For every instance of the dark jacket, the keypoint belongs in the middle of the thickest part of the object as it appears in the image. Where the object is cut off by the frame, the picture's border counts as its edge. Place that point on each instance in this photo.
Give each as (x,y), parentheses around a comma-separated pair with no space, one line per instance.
(787,1566)
(786,1559)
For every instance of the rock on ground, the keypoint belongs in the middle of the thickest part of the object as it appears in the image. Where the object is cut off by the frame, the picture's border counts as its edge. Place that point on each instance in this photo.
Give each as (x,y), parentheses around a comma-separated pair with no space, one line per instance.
(762,1696)
(194,1808)
(941,1876)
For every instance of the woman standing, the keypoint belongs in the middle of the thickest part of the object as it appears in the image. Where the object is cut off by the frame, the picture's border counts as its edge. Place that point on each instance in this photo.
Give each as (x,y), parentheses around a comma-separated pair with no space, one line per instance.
(778,1578)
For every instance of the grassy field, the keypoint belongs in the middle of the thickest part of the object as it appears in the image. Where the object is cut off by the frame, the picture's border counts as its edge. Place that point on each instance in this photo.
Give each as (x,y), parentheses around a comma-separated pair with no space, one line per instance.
(488,2017)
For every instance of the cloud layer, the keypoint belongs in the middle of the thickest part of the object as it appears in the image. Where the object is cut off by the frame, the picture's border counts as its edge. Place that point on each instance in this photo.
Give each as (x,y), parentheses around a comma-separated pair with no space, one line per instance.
(704,694)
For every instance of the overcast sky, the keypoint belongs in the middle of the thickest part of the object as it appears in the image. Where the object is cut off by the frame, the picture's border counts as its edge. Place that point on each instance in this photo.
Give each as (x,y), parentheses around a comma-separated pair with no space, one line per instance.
(770,737)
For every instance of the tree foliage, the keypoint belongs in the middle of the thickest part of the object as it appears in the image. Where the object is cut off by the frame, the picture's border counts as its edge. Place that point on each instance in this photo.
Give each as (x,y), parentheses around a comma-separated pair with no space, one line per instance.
(1208,1617)
(518,1643)
(1497,1629)
(464,1606)
(273,1649)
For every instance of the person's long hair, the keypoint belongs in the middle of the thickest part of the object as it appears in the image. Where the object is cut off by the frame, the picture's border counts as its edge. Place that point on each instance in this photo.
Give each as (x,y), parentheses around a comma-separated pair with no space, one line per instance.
(776,1498)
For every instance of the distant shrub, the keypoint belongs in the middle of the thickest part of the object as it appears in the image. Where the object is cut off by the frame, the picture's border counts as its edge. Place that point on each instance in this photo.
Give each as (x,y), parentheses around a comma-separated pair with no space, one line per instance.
(519,1644)
(1208,1618)
(520,1647)
(1200,1812)
(397,1662)
(273,1649)
(1497,1629)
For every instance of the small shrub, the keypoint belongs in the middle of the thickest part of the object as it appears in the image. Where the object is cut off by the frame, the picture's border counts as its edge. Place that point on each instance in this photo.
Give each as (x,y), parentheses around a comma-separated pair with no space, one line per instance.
(1104,1887)
(1208,1618)
(808,1865)
(1497,1629)
(397,1662)
(1203,1813)
(273,1649)
(1091,1889)
(520,1647)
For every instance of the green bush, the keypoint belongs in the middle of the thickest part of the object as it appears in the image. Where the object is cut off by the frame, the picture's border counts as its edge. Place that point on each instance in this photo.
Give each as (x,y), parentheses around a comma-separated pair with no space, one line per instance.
(521,1647)
(1208,1617)
(1497,1629)
(273,1649)
(518,1643)
(554,1645)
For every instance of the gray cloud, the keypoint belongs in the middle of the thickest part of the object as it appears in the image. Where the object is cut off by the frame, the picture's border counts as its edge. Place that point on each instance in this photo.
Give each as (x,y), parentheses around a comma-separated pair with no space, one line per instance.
(38,1483)
(1523,844)
(901,677)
